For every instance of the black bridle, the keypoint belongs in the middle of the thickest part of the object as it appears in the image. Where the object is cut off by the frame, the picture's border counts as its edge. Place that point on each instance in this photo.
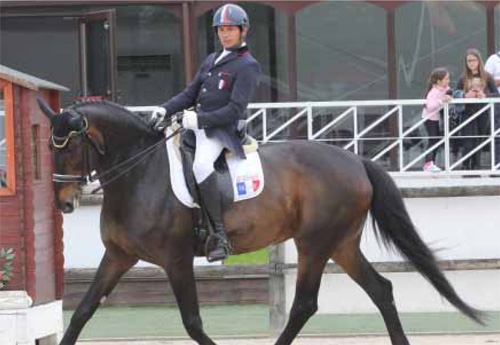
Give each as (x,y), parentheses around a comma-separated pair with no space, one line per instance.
(88,176)
(61,143)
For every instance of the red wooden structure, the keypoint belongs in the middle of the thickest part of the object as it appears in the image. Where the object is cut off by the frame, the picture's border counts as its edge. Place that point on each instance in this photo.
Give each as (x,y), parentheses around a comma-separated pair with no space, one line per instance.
(29,223)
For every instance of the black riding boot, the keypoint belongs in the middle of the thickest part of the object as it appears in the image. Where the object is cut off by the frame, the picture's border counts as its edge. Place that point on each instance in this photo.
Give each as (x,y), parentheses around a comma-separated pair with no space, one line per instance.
(211,200)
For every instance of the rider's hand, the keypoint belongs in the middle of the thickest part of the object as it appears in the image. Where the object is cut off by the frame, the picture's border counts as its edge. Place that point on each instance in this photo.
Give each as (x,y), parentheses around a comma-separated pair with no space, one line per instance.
(470,94)
(480,94)
(190,119)
(157,119)
(446,99)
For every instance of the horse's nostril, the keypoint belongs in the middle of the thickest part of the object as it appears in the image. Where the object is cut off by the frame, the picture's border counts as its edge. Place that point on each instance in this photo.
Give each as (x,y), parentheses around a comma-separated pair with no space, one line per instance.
(67,207)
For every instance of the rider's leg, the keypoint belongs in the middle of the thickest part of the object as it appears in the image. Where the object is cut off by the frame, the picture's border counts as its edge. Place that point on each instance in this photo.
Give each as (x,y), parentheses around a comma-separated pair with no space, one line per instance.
(207,151)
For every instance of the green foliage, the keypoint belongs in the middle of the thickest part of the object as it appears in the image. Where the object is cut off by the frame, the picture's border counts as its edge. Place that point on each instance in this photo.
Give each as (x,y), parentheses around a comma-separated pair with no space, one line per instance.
(7,257)
(260,257)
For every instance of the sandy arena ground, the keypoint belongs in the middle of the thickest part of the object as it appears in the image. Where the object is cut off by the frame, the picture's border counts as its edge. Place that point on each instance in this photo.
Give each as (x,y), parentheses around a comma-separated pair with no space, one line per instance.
(487,339)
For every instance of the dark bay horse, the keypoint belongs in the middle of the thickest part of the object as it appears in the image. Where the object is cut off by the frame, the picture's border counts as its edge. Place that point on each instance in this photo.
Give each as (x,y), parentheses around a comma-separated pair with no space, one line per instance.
(317,194)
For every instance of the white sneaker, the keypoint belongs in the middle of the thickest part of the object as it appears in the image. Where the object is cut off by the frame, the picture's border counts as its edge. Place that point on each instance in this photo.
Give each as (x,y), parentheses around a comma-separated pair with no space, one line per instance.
(431,167)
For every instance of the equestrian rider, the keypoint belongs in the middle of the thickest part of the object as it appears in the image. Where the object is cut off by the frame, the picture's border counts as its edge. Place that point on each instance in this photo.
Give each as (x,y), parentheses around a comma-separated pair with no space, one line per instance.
(219,93)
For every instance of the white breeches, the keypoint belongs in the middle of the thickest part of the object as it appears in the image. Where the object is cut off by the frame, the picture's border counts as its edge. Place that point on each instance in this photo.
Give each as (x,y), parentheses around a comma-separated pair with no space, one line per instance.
(207,151)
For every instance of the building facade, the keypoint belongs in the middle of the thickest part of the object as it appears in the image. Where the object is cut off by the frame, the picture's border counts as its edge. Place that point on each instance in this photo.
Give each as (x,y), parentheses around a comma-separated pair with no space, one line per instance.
(143,52)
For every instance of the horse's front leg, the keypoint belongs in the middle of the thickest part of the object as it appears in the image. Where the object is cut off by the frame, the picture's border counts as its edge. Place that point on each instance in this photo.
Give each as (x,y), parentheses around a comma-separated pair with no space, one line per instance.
(112,267)
(179,268)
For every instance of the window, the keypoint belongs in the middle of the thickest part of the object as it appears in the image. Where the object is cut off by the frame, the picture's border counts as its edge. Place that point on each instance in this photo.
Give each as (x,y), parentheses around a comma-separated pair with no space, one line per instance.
(7,175)
(35,151)
(341,51)
(432,34)
(150,56)
(497,27)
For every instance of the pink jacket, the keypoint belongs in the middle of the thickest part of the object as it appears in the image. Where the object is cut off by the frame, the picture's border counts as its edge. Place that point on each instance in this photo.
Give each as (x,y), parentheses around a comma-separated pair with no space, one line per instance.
(433,103)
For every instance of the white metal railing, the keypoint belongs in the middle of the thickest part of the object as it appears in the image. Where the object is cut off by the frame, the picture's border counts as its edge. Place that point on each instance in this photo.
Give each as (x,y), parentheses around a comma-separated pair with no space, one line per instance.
(273,122)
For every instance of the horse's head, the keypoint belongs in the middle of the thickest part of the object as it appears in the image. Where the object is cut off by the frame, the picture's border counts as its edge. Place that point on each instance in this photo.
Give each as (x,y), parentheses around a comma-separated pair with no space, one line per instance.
(75,145)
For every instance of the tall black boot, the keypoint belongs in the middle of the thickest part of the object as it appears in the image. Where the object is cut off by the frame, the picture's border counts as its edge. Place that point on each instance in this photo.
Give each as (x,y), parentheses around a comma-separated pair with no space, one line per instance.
(211,202)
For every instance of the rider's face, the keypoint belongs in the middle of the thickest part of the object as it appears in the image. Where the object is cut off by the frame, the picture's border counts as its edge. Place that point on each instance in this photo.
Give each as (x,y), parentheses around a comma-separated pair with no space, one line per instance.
(229,35)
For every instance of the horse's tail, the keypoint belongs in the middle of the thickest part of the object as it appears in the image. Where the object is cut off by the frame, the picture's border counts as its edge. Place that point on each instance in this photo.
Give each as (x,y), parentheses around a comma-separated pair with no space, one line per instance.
(395,228)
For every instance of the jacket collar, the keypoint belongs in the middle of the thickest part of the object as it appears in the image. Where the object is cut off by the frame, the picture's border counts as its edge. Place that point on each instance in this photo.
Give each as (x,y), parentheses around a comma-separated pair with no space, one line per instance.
(229,57)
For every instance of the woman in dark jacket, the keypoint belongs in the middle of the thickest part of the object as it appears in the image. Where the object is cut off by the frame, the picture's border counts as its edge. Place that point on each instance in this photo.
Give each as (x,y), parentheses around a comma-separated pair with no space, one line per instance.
(475,82)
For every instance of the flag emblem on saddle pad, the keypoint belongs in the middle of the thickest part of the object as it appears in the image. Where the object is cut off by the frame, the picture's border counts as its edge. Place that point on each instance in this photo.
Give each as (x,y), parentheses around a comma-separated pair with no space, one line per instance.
(242,189)
(247,184)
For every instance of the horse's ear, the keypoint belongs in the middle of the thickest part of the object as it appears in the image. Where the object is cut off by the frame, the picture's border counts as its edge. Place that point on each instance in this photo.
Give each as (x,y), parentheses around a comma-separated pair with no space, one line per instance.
(45,108)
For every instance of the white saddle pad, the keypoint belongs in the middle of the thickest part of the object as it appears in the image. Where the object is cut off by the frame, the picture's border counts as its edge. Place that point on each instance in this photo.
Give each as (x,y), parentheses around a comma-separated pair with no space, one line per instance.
(246,174)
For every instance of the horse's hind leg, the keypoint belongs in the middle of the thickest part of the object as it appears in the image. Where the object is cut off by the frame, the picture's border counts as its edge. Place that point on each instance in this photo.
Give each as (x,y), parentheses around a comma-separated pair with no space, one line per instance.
(111,268)
(305,303)
(354,263)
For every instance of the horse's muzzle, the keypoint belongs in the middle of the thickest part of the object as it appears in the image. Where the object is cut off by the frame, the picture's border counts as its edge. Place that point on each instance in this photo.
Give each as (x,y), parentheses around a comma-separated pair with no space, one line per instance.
(66,207)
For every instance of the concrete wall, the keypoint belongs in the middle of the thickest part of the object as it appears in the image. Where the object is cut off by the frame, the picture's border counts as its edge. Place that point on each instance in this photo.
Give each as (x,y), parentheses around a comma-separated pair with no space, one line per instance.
(412,293)
(83,247)
(462,228)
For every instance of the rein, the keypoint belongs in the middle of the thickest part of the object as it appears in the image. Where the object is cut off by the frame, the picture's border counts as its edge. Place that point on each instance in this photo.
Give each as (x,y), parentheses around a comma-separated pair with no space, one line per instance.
(87,176)
(145,153)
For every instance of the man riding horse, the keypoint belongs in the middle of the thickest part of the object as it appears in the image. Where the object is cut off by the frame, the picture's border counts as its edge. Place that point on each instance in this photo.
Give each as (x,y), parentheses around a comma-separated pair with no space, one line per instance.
(219,93)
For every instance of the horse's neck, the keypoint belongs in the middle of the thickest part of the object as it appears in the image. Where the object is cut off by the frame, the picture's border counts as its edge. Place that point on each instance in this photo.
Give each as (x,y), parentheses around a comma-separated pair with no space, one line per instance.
(122,140)
(144,167)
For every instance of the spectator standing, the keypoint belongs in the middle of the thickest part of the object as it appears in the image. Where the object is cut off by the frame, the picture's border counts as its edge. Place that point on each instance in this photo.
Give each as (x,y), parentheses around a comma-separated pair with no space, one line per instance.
(475,82)
(437,90)
(492,66)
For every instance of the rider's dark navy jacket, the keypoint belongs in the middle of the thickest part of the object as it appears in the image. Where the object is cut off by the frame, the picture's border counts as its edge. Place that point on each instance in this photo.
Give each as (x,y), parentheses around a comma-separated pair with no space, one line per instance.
(220,94)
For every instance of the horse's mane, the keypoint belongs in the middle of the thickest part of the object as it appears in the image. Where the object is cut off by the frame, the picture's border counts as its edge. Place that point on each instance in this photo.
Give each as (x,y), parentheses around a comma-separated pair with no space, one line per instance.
(111,112)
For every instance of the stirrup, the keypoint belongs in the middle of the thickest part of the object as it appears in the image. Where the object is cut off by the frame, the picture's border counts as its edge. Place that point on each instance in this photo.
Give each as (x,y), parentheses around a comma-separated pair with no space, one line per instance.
(223,243)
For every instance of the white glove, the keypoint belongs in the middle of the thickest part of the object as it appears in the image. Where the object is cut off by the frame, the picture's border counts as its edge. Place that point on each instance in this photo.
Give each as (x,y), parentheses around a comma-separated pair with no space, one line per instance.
(157,118)
(190,119)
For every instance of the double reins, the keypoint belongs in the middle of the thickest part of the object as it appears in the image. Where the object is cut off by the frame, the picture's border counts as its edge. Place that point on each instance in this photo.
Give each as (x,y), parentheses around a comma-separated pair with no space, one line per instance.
(144,153)
(88,176)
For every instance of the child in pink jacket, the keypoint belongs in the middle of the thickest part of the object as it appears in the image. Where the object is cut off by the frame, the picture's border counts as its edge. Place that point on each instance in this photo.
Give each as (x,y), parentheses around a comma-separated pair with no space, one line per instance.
(436,95)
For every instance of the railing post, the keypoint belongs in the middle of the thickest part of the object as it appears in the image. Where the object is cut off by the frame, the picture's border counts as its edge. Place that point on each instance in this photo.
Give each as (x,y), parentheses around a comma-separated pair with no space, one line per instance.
(309,123)
(446,128)
(492,136)
(400,138)
(355,130)
(264,125)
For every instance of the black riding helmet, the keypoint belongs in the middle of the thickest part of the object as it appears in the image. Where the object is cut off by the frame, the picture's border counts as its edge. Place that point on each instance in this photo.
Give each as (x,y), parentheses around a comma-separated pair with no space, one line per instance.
(230,14)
